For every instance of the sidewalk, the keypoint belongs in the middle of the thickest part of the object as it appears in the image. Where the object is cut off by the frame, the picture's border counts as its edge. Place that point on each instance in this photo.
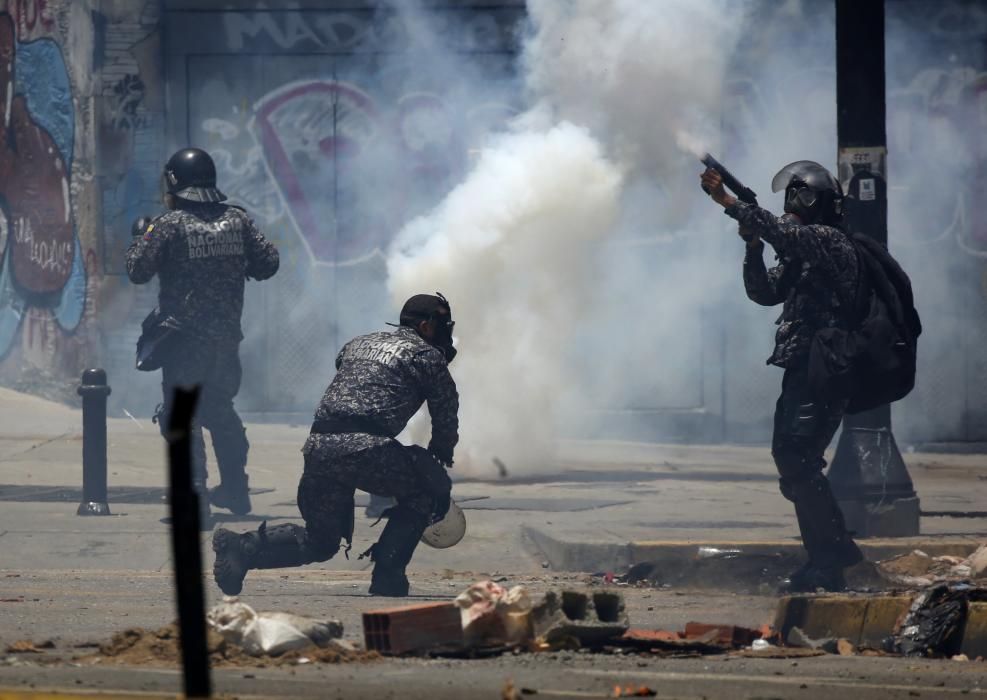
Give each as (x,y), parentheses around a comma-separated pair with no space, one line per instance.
(601,507)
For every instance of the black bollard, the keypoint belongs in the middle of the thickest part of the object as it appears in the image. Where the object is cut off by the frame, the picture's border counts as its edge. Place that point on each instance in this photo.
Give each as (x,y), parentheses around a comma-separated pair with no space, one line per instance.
(186,547)
(93,391)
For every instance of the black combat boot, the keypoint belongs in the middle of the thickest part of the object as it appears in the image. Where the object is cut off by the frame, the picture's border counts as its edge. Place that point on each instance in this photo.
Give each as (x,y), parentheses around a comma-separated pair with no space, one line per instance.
(810,578)
(393,551)
(233,492)
(268,548)
(830,547)
(233,495)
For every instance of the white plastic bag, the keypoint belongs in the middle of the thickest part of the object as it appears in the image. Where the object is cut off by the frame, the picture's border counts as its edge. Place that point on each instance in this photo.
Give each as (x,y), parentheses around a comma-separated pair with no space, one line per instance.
(270,633)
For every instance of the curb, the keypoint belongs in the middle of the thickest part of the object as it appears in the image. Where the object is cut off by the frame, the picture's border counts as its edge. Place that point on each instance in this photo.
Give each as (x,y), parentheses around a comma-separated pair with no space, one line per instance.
(564,555)
(867,621)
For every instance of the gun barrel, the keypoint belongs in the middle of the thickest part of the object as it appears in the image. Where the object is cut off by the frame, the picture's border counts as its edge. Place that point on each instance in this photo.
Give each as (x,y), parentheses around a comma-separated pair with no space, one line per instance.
(745,194)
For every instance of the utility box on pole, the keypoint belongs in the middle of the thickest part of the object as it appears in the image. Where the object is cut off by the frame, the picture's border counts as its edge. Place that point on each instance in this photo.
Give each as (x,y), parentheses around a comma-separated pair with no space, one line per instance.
(868,475)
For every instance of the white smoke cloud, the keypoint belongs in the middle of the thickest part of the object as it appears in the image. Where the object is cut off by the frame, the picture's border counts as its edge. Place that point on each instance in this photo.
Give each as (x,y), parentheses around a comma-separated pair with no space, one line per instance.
(521,247)
(512,248)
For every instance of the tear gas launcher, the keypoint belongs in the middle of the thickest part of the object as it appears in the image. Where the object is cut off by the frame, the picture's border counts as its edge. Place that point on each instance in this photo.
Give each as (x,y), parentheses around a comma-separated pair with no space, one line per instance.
(744,194)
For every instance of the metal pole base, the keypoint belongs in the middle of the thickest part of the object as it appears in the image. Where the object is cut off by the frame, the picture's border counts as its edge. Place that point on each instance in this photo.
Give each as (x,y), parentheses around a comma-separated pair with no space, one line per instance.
(870,480)
(897,518)
(93,508)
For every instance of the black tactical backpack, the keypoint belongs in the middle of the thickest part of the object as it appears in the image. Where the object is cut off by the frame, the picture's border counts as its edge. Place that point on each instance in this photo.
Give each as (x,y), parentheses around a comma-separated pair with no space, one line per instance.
(873,363)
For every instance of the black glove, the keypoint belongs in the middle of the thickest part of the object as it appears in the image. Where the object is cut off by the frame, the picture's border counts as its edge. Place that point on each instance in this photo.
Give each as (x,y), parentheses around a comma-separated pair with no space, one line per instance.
(440,506)
(445,459)
(140,226)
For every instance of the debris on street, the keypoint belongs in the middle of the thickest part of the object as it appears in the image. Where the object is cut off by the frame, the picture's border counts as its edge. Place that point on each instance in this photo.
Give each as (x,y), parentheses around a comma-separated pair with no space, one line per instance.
(587,618)
(141,647)
(935,621)
(414,629)
(271,633)
(919,570)
(26,646)
(492,614)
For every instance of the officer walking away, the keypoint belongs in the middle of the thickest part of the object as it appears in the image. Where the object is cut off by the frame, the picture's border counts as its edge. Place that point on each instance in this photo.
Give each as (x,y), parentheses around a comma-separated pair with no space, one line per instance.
(815,279)
(202,252)
(382,379)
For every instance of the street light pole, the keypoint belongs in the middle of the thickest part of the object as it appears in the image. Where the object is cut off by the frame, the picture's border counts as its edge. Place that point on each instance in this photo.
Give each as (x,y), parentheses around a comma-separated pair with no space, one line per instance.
(868,475)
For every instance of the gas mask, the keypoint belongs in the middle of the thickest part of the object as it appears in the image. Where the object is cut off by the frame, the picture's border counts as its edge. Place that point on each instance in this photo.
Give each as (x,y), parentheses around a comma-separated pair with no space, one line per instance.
(803,201)
(811,192)
(443,335)
(434,310)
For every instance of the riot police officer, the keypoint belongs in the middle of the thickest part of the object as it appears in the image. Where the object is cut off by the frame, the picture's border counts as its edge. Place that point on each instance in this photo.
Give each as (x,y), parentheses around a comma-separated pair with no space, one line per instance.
(382,380)
(202,252)
(816,280)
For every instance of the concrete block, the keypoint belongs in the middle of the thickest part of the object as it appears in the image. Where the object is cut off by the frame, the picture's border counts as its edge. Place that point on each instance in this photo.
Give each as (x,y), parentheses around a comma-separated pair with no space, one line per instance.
(882,618)
(589,618)
(822,617)
(975,631)
(416,628)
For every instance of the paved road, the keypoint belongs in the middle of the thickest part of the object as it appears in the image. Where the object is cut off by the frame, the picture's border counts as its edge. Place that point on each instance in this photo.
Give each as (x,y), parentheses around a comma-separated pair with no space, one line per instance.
(74,580)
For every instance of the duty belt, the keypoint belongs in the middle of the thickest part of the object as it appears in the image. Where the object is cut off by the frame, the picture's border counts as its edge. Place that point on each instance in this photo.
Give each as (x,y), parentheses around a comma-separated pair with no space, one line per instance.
(352,424)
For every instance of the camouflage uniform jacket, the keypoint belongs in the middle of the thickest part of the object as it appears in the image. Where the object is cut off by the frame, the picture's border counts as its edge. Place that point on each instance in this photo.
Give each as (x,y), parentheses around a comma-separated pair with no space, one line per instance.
(816,278)
(382,380)
(202,256)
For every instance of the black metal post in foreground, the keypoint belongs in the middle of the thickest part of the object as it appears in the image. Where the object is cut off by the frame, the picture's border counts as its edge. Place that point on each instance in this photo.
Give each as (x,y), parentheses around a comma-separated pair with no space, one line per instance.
(186,549)
(93,391)
(868,475)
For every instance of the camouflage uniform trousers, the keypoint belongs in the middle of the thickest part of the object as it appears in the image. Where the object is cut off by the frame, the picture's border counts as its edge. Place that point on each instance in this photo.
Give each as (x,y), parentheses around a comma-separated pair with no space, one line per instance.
(338,464)
(215,367)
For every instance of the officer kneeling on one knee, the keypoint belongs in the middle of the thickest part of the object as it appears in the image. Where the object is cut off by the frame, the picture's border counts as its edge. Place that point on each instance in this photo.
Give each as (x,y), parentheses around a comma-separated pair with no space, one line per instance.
(816,279)
(382,379)
(202,252)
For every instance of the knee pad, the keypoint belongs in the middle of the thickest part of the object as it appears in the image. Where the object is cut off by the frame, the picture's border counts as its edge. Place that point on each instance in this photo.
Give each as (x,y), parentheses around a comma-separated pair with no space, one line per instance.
(796,490)
(328,520)
(290,535)
(322,549)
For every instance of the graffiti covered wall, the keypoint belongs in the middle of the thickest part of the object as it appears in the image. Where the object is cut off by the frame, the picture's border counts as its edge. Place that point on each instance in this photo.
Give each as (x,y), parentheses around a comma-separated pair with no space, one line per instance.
(48,219)
(81,111)
(333,126)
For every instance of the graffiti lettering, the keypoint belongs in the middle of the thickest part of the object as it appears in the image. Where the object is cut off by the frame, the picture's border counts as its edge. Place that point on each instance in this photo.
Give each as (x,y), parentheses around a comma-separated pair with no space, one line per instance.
(47,255)
(355,31)
(128,93)
(42,276)
(291,30)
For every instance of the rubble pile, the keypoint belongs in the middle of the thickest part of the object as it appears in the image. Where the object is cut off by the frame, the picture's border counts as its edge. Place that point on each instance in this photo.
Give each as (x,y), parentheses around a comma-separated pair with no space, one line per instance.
(237,635)
(762,572)
(496,620)
(919,570)
(141,647)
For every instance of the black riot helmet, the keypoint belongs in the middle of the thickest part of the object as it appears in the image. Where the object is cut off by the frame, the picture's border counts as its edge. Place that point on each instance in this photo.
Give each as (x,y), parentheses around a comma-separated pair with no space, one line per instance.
(811,193)
(190,174)
(435,309)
